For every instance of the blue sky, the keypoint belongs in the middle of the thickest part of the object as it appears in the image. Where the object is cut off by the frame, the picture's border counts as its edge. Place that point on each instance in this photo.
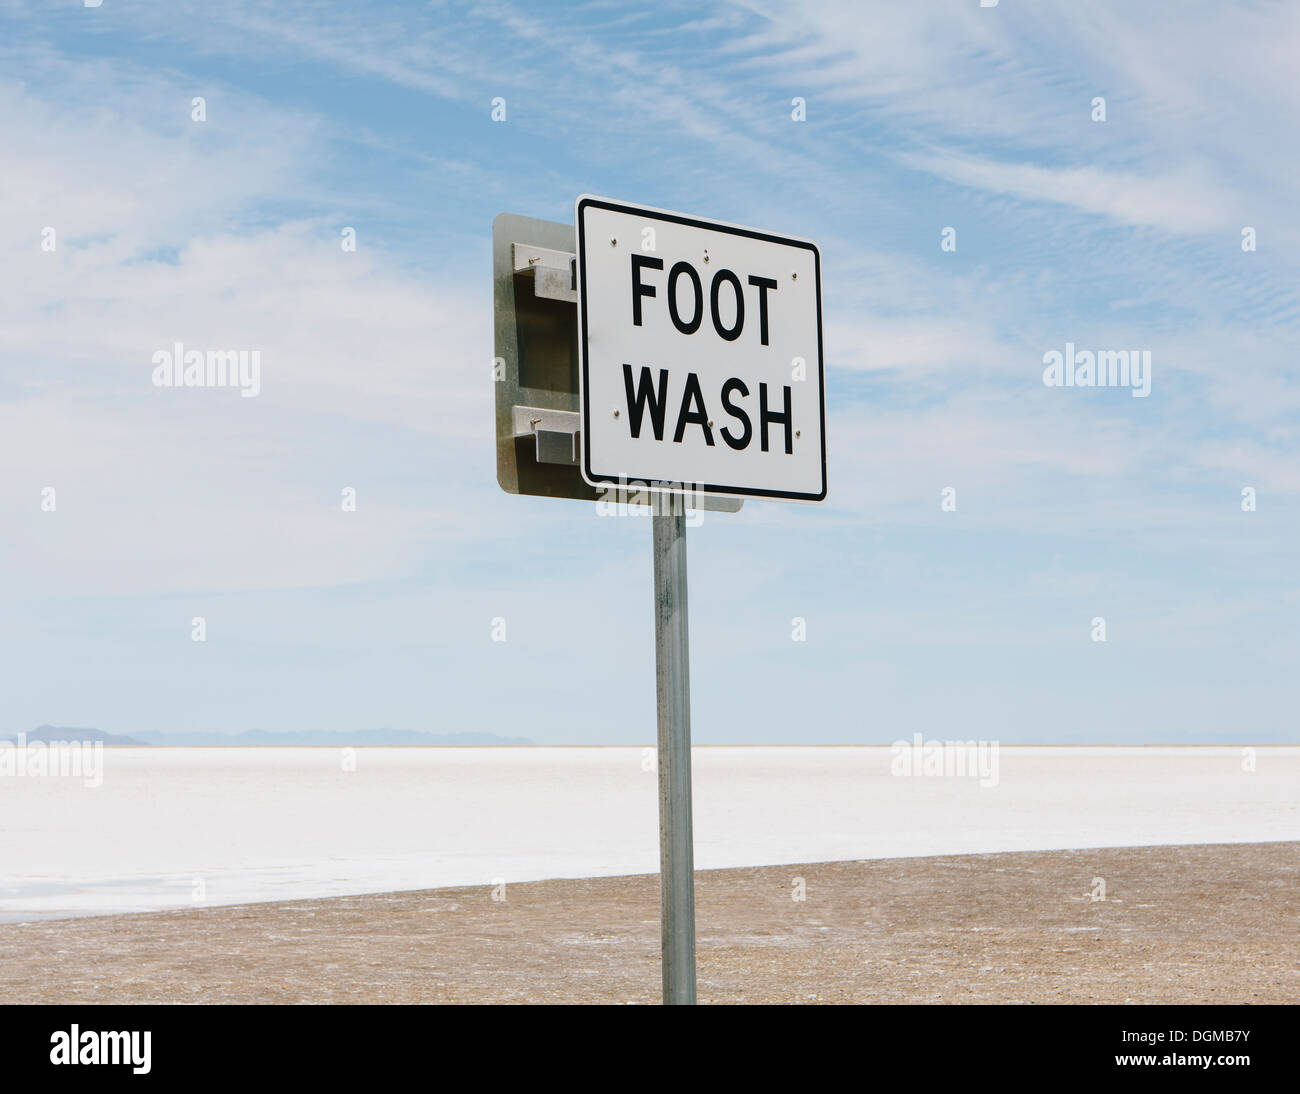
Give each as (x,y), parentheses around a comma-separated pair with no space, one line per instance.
(1071,503)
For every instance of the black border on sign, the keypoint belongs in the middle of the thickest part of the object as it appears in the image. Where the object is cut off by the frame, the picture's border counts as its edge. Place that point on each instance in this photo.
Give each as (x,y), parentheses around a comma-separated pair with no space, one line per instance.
(712,225)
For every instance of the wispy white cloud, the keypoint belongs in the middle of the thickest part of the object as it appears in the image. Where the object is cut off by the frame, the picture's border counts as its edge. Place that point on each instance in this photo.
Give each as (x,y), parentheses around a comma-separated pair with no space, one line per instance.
(1186,201)
(160,237)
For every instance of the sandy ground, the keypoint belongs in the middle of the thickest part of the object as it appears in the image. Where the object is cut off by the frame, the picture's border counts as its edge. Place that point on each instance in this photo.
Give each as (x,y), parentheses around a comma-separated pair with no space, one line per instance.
(1199,924)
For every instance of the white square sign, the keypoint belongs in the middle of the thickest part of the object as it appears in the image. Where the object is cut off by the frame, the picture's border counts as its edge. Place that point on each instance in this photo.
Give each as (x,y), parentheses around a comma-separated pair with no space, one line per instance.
(700,350)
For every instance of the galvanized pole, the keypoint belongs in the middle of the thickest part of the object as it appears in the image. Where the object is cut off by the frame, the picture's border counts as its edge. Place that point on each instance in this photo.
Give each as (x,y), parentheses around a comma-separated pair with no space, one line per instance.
(673,695)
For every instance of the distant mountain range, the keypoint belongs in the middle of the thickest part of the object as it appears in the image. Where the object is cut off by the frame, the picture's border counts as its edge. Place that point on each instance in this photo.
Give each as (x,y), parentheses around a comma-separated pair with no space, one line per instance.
(49,734)
(257,737)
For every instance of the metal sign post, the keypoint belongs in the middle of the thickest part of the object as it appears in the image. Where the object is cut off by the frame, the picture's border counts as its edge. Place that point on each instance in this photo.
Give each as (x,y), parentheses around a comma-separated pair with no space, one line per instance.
(673,696)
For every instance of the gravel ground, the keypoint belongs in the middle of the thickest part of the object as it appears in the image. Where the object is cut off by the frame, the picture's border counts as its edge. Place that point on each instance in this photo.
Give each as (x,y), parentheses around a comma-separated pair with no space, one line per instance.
(1196,924)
